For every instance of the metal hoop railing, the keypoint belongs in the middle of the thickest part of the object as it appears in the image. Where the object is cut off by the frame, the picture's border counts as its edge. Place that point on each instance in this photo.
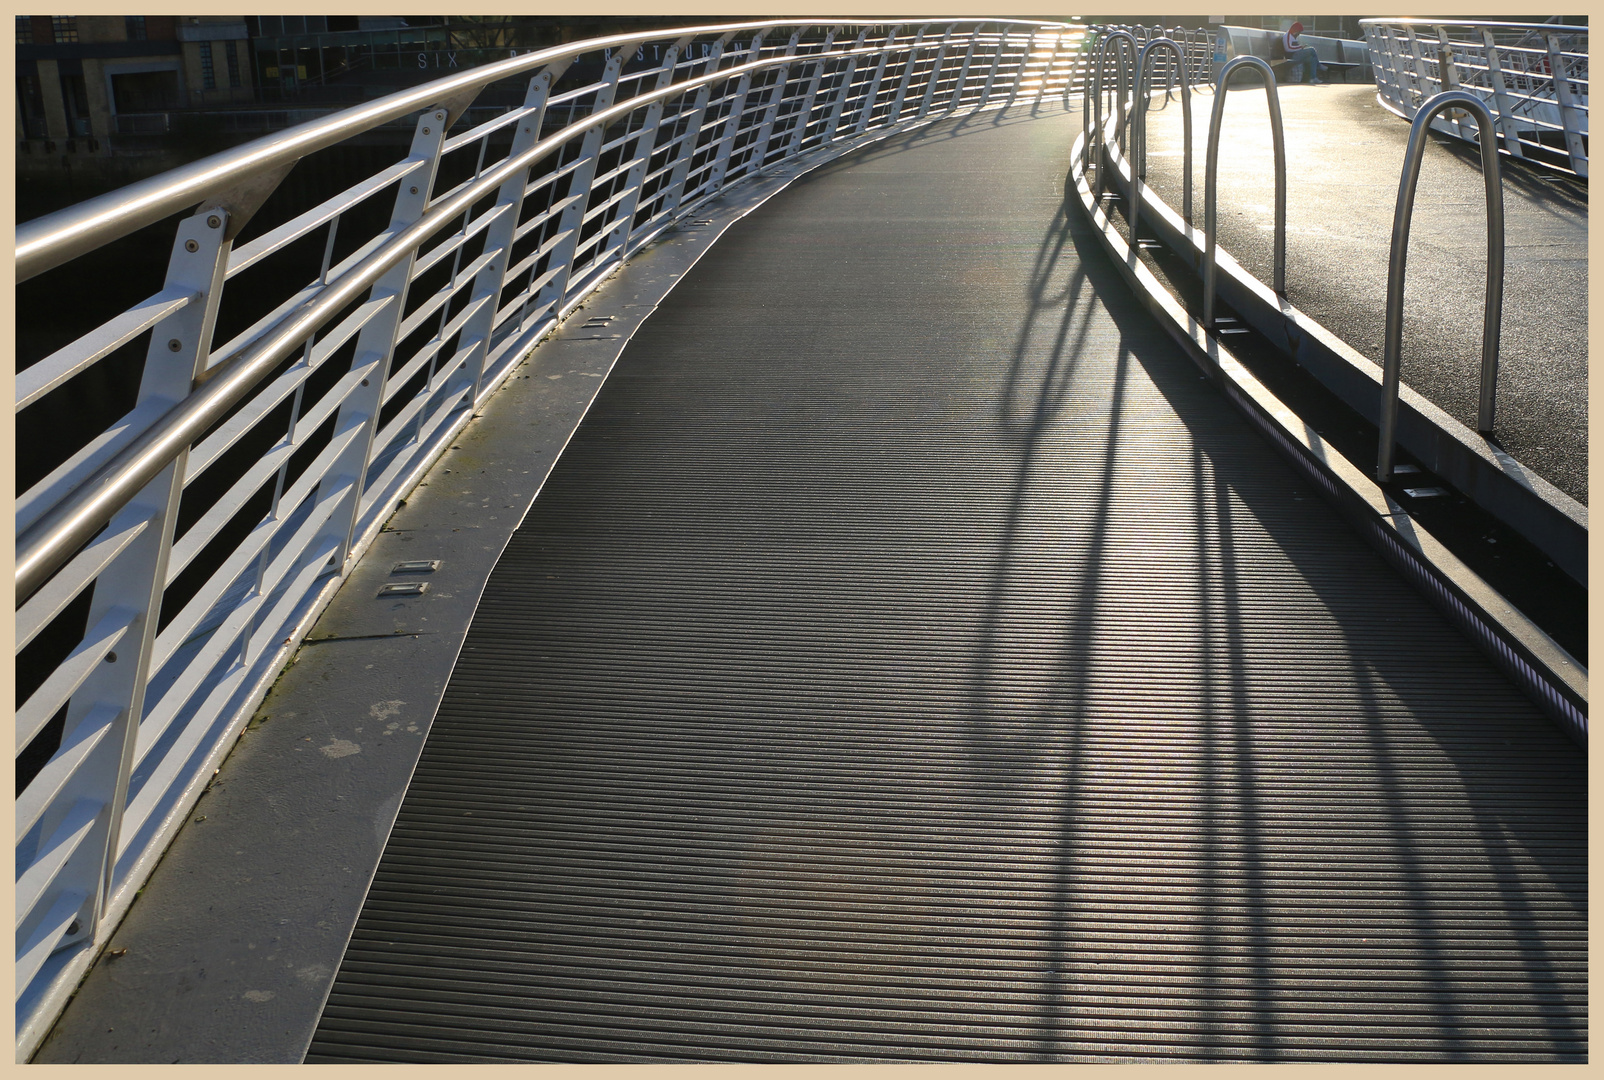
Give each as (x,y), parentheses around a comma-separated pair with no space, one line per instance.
(1493,307)
(1127,45)
(1211,179)
(1144,71)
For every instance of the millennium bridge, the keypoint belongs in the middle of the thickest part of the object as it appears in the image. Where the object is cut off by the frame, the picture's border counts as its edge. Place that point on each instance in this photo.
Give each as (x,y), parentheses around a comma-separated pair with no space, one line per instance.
(840,541)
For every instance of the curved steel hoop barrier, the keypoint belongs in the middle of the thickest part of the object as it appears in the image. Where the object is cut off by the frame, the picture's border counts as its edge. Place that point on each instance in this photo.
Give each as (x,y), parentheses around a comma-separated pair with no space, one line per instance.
(333,396)
(1144,72)
(1492,311)
(1126,44)
(1211,178)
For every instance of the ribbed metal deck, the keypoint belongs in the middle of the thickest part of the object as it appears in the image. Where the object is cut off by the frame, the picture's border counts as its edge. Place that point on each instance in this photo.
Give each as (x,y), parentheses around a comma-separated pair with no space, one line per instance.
(912,658)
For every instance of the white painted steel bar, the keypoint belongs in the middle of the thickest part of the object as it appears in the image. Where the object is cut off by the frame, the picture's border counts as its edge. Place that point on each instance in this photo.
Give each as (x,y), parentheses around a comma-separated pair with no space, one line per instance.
(70,360)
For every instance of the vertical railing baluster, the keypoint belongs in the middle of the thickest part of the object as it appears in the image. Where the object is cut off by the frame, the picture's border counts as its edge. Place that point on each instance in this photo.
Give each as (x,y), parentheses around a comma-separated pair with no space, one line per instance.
(934,77)
(866,111)
(1024,61)
(760,145)
(1495,74)
(617,244)
(894,115)
(686,150)
(553,293)
(996,62)
(131,587)
(963,69)
(1567,106)
(839,103)
(732,122)
(375,349)
(805,114)
(492,277)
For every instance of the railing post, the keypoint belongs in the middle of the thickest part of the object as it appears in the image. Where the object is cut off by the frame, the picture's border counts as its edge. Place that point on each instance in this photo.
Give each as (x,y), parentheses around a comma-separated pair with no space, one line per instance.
(996,62)
(1211,172)
(1423,87)
(1024,59)
(693,129)
(79,833)
(1493,307)
(963,69)
(1047,71)
(1448,73)
(935,76)
(1495,75)
(812,94)
(617,245)
(551,294)
(499,235)
(838,107)
(375,347)
(866,111)
(732,122)
(1567,106)
(760,145)
(895,113)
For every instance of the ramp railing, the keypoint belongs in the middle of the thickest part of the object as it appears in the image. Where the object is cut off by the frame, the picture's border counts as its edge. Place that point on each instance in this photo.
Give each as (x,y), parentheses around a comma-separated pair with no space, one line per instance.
(1532,77)
(300,366)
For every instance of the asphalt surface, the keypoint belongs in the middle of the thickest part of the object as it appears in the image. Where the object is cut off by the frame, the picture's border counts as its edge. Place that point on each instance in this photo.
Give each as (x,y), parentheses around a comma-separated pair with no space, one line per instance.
(1344,158)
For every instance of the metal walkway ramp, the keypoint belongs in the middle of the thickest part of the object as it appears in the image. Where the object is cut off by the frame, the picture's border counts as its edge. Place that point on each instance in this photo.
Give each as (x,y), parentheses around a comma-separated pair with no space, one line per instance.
(966,683)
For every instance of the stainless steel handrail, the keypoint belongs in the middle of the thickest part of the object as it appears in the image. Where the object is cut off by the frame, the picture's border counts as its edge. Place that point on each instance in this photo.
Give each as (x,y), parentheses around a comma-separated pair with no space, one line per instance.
(1127,50)
(1493,308)
(49,241)
(75,518)
(1211,179)
(1144,72)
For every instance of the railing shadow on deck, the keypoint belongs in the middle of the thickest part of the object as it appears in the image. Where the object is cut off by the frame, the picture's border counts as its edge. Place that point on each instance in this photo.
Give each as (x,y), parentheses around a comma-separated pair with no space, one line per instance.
(1236,820)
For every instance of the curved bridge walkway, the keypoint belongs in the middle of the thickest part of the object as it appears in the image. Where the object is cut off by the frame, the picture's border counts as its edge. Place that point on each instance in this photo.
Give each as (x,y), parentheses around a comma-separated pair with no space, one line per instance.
(911,657)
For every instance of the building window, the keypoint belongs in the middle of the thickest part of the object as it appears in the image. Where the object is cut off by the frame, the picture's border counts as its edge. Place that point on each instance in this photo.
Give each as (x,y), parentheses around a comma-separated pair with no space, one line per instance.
(208,73)
(24,29)
(135,25)
(65,28)
(231,54)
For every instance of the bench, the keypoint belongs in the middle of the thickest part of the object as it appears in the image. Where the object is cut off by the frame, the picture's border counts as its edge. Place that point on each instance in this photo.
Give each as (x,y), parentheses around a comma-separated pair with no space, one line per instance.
(1251,41)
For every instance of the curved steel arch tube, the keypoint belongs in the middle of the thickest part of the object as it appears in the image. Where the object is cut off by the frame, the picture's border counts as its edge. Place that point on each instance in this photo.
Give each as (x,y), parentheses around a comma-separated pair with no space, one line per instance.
(1493,309)
(1127,49)
(1211,177)
(1144,73)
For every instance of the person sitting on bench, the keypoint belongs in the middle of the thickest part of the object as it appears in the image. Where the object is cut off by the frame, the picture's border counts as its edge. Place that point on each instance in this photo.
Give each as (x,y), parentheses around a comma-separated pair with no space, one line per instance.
(1301,56)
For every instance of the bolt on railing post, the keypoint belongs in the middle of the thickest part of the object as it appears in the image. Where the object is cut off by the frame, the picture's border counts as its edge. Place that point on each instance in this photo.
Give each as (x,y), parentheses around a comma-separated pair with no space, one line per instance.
(838,102)
(375,348)
(1211,171)
(617,245)
(563,252)
(894,114)
(693,129)
(499,236)
(1567,106)
(129,590)
(1493,306)
(866,110)
(732,122)
(806,111)
(935,76)
(1495,74)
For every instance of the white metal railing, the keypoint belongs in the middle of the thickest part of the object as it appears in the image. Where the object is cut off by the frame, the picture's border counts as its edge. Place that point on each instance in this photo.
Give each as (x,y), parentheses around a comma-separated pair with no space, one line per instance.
(1531,76)
(167,566)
